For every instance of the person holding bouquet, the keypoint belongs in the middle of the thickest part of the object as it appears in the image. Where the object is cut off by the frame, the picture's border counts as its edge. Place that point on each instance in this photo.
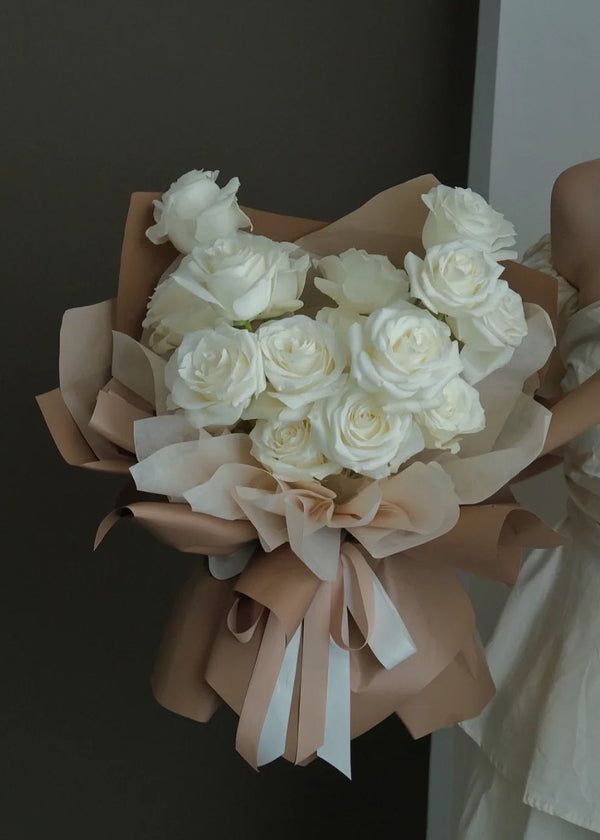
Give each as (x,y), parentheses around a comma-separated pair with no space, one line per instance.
(536,775)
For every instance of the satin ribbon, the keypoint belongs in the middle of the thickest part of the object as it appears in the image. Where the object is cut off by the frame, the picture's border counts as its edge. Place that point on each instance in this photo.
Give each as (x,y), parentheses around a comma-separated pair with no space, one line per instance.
(359,594)
(343,616)
(230,565)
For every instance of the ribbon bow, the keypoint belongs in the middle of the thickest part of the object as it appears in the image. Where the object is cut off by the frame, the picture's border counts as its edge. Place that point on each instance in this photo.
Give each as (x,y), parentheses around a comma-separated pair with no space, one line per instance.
(302,668)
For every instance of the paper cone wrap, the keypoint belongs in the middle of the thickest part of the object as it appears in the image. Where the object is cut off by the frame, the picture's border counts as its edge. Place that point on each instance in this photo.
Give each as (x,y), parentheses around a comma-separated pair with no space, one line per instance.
(321,611)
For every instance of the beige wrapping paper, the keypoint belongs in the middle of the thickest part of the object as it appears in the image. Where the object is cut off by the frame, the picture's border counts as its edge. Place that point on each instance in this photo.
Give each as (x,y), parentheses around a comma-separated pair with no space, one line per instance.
(177,526)
(84,367)
(114,417)
(426,592)
(488,540)
(68,438)
(226,639)
(179,682)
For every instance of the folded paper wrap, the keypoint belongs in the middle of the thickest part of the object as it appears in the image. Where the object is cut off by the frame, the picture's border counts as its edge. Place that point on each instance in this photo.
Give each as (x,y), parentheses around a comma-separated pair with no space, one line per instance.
(327,607)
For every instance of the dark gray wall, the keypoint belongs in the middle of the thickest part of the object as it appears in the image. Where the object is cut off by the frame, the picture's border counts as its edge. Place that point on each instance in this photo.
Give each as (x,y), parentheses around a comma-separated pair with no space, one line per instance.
(316,105)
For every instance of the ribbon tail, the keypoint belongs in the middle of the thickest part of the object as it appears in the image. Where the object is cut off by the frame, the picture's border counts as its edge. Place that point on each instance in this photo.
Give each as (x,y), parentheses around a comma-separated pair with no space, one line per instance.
(336,744)
(274,731)
(260,690)
(390,640)
(313,686)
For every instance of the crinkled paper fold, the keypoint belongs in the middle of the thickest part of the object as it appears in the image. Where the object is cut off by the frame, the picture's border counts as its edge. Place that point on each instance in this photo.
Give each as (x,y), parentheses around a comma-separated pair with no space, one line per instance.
(327,607)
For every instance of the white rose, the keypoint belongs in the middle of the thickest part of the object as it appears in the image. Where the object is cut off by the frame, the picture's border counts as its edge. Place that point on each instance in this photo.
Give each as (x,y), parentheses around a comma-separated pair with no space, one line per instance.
(456,278)
(214,374)
(458,214)
(355,430)
(172,313)
(406,353)
(490,340)
(459,414)
(361,282)
(504,326)
(303,359)
(194,209)
(247,277)
(266,406)
(289,449)
(340,321)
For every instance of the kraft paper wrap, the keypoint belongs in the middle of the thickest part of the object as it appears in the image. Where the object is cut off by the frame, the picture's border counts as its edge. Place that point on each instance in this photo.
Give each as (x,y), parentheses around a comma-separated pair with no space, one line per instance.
(444,682)
(230,640)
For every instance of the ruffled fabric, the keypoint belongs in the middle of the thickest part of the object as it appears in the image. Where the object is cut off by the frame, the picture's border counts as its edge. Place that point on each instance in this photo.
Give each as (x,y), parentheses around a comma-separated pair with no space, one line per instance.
(494,808)
(539,256)
(537,776)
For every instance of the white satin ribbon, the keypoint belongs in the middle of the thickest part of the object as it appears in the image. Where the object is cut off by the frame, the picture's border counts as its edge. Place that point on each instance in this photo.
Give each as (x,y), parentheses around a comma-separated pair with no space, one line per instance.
(336,744)
(225,566)
(391,643)
(390,640)
(274,732)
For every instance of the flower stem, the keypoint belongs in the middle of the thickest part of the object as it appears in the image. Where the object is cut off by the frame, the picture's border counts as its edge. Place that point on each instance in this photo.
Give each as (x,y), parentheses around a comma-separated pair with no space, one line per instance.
(243,325)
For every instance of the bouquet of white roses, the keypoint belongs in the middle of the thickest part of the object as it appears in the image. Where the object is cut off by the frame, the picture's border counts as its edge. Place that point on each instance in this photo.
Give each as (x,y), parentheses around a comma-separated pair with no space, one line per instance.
(361,387)
(323,418)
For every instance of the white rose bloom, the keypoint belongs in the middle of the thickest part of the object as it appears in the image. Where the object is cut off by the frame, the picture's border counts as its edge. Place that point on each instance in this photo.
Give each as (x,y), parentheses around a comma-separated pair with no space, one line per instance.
(458,214)
(456,278)
(172,313)
(195,209)
(214,374)
(504,326)
(361,282)
(303,359)
(355,430)
(406,353)
(490,340)
(340,321)
(246,277)
(459,414)
(266,406)
(289,449)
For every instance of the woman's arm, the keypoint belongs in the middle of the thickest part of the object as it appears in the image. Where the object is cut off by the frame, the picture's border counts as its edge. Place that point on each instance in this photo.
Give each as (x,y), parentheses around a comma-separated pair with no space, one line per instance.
(575,241)
(575,226)
(575,413)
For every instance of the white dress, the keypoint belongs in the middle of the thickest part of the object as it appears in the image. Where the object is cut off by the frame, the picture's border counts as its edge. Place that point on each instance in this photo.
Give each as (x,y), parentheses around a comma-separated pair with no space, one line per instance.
(536,773)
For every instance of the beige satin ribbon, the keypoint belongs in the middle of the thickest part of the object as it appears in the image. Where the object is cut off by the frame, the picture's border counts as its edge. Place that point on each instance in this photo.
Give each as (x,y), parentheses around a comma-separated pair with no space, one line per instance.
(310,724)
(353,595)
(260,690)
(321,610)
